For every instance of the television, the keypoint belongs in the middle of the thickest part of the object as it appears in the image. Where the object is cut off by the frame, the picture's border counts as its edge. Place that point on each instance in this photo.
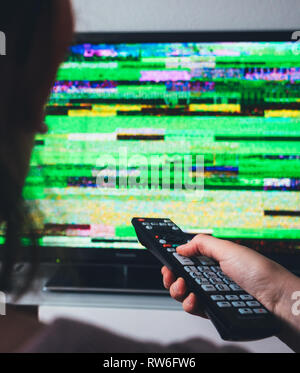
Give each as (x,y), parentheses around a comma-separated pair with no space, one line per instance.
(122,100)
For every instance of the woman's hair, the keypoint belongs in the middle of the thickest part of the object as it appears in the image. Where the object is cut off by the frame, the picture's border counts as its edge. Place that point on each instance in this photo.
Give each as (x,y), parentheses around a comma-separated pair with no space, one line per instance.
(27,72)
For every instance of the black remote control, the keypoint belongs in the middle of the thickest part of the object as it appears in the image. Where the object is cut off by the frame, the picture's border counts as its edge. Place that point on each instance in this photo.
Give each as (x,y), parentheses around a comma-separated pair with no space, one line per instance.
(236,314)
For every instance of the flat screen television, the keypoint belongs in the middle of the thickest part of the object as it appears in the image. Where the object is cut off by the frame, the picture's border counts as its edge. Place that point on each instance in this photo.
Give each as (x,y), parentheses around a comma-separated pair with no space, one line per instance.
(123,99)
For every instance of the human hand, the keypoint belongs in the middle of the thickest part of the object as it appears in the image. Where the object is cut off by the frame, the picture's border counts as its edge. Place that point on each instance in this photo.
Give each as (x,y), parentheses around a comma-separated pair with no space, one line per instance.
(257,275)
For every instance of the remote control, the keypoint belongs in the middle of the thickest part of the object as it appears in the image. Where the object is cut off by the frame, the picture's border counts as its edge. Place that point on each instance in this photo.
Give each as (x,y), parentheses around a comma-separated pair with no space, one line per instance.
(237,315)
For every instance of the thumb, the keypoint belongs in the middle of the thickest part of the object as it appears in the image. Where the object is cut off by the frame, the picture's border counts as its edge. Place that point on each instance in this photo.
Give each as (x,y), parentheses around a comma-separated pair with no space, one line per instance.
(209,246)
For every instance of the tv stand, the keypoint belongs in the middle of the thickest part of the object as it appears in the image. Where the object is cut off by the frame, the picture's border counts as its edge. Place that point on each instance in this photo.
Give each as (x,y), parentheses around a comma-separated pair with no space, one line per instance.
(107,278)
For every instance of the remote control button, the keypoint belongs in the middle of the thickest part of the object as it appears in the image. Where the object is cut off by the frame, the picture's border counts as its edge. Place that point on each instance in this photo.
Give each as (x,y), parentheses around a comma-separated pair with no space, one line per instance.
(232,297)
(182,259)
(153,223)
(171,250)
(203,268)
(228,281)
(215,268)
(235,287)
(175,245)
(215,281)
(193,268)
(209,274)
(246,297)
(253,303)
(163,224)
(239,304)
(245,311)
(162,241)
(175,228)
(195,274)
(217,297)
(222,287)
(148,227)
(167,245)
(187,268)
(202,281)
(221,274)
(260,310)
(223,304)
(145,223)
(208,288)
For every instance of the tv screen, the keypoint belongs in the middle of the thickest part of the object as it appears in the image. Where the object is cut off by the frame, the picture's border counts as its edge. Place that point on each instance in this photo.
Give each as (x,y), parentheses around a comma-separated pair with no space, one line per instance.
(206,133)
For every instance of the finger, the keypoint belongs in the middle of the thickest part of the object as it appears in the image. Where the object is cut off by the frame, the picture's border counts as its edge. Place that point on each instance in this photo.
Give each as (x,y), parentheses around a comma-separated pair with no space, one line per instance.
(178,290)
(163,269)
(210,246)
(190,305)
(168,277)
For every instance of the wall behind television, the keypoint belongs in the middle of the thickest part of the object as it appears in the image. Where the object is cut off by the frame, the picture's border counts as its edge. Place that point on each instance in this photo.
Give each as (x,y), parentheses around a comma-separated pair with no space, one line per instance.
(189,15)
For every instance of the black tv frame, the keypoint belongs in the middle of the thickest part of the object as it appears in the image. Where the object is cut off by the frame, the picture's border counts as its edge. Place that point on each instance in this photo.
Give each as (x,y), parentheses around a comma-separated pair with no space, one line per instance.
(91,256)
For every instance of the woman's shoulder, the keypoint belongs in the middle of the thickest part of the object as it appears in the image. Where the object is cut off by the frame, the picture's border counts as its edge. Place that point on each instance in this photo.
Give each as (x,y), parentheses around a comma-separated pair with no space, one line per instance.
(69,336)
